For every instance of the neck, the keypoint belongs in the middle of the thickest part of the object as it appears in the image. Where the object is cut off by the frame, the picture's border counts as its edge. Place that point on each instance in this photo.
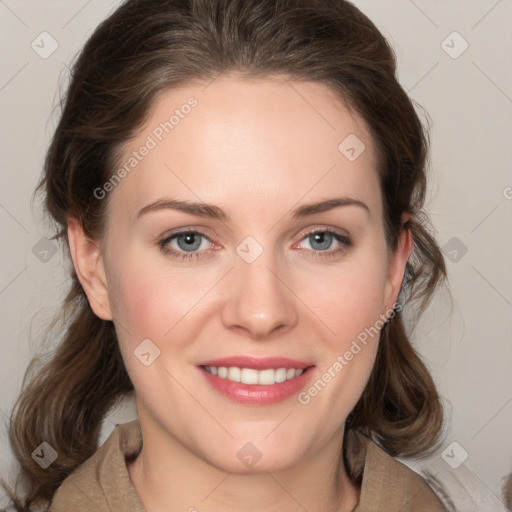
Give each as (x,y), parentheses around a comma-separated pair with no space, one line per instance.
(167,476)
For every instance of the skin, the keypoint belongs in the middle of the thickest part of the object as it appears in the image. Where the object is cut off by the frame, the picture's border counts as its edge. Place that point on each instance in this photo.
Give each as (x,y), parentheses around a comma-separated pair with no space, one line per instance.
(258,150)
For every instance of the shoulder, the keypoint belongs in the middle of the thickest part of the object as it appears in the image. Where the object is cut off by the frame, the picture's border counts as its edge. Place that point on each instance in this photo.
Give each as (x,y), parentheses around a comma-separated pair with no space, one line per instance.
(389,485)
(102,482)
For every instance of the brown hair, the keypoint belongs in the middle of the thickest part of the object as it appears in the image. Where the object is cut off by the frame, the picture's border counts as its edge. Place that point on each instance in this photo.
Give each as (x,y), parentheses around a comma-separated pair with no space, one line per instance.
(146,47)
(507,491)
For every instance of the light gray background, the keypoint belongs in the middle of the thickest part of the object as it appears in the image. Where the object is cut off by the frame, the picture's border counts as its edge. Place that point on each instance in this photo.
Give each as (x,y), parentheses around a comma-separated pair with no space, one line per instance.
(469,99)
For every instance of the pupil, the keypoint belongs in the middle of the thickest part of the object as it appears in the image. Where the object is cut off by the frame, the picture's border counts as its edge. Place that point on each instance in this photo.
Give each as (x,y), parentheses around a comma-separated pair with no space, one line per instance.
(323,239)
(188,241)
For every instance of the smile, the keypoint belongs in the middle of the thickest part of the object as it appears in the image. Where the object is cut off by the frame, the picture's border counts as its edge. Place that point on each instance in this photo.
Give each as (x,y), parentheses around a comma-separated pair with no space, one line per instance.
(249,376)
(257,381)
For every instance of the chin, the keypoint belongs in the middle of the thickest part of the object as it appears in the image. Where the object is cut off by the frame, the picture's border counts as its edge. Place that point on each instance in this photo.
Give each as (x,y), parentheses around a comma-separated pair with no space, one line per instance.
(260,456)
(256,466)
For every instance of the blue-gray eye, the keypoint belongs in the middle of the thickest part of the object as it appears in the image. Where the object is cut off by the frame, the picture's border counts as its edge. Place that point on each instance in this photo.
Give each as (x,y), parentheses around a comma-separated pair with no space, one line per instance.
(189,241)
(323,239)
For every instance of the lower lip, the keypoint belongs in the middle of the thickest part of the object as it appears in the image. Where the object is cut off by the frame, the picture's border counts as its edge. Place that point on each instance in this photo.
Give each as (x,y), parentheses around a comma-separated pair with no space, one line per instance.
(258,394)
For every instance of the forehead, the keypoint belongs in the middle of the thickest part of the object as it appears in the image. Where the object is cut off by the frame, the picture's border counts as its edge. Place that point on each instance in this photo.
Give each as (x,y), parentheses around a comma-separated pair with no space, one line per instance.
(267,141)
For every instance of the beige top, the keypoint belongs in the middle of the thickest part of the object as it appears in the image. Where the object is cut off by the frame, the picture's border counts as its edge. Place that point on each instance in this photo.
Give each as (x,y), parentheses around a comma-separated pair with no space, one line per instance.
(102,483)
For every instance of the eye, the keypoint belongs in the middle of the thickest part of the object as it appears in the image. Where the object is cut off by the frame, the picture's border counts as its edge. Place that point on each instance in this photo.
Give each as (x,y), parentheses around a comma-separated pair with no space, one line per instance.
(185,245)
(322,240)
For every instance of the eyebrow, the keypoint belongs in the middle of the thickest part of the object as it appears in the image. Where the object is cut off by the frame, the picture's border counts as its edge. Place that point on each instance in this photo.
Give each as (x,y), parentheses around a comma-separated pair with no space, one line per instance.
(212,211)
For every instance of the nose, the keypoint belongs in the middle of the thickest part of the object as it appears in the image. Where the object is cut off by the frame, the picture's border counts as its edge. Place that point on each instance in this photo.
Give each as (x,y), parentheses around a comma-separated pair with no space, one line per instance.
(259,302)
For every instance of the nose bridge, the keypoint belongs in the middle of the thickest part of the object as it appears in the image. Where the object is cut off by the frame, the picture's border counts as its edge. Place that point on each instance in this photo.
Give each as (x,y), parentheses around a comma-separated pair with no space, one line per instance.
(258,300)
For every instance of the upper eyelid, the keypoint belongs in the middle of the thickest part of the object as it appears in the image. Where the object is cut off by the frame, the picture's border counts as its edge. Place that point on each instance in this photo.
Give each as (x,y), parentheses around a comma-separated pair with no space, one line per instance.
(174,234)
(326,229)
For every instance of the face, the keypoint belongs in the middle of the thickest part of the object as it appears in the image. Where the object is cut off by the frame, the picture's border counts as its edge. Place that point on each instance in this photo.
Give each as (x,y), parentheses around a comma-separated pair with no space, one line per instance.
(258,280)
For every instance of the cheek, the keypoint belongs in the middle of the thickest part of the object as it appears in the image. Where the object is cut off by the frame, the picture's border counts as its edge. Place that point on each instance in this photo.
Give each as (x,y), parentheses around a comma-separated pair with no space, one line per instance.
(154,305)
(347,297)
(150,303)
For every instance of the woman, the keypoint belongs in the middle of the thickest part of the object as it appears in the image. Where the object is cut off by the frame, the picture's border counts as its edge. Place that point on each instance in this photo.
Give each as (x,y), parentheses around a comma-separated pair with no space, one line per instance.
(240,186)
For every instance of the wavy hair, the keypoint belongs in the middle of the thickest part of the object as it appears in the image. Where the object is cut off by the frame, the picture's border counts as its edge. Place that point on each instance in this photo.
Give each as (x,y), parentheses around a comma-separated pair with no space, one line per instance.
(146,47)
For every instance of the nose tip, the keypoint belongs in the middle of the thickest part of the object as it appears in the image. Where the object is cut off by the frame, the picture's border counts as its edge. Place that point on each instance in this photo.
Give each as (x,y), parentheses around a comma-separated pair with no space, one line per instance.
(258,301)
(263,326)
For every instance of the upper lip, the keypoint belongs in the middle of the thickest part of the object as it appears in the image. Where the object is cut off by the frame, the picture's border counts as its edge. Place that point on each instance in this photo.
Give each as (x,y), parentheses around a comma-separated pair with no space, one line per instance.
(256,363)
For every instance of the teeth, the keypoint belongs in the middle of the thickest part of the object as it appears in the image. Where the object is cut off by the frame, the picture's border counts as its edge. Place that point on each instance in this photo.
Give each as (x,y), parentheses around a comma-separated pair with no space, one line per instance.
(234,374)
(267,377)
(251,376)
(281,374)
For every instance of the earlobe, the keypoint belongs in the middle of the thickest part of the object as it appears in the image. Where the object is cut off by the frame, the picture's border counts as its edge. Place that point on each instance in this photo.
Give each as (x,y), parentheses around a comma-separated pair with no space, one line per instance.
(397,263)
(88,262)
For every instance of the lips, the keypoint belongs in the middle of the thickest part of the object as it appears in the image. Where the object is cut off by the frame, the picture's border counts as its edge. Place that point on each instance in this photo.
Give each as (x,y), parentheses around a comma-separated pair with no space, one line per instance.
(256,381)
(257,363)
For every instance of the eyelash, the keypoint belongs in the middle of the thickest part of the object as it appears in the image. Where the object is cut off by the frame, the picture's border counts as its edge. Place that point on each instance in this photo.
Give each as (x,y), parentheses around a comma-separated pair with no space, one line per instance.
(187,256)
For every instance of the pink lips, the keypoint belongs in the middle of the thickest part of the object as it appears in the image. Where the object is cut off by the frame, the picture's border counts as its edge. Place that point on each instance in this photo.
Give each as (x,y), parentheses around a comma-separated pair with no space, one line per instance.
(256,363)
(257,394)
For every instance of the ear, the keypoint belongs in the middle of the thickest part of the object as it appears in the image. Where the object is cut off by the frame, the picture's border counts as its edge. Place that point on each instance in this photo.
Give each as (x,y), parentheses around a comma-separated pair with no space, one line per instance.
(88,262)
(397,263)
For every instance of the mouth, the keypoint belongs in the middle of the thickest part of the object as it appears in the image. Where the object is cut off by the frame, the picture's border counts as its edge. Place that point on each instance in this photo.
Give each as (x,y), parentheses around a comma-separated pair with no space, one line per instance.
(249,376)
(257,381)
